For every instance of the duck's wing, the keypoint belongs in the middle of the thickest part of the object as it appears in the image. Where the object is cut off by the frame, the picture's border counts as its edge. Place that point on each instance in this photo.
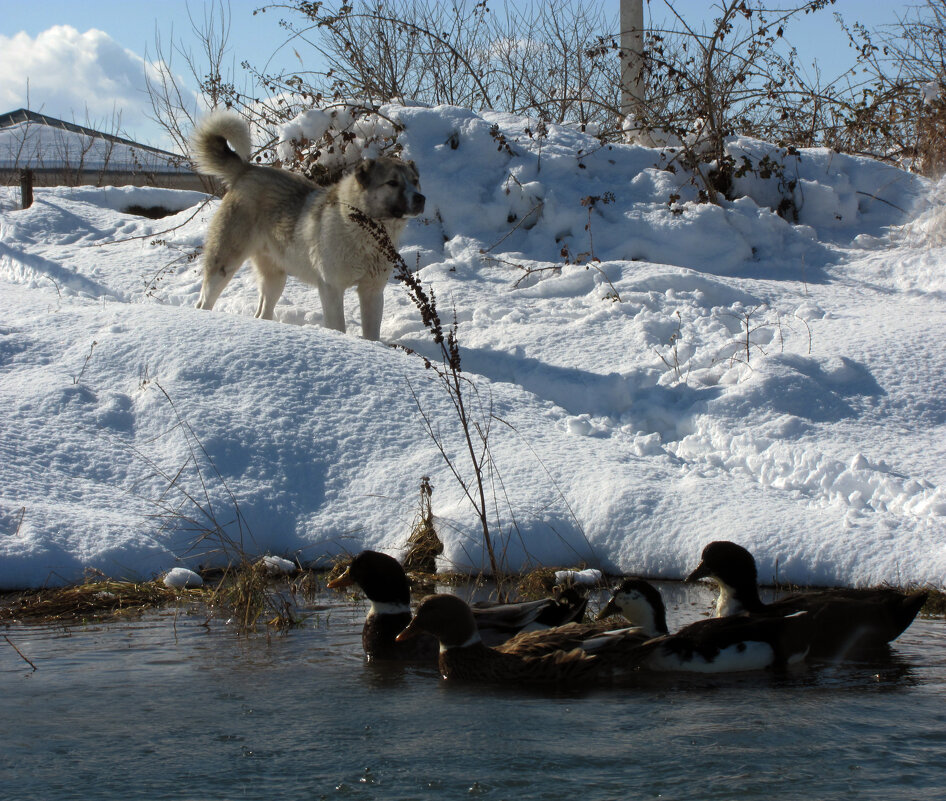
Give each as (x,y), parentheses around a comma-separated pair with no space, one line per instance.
(558,638)
(509,618)
(560,667)
(566,607)
(477,663)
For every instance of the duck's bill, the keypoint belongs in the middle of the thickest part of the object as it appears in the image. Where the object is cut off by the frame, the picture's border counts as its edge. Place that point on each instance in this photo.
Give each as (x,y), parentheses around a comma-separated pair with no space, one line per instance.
(701,571)
(409,632)
(343,580)
(609,609)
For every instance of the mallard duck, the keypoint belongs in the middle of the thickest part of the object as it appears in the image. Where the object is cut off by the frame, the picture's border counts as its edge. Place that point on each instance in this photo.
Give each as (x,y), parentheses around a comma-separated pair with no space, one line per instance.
(716,645)
(463,655)
(384,582)
(850,622)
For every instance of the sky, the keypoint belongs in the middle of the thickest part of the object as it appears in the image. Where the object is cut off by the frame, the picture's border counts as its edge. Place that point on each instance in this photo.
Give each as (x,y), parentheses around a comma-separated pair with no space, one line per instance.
(629,419)
(84,62)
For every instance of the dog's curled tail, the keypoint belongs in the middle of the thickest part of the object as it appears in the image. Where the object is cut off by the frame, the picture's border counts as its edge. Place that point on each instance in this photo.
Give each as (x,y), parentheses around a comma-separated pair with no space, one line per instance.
(210,150)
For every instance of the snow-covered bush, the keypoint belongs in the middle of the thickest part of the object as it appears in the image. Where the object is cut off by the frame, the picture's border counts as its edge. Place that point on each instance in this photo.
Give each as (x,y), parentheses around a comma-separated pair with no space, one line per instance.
(323,142)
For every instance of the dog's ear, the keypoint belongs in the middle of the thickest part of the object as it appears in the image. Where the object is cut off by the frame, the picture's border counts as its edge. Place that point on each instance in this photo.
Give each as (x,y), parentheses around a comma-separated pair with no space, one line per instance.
(363,171)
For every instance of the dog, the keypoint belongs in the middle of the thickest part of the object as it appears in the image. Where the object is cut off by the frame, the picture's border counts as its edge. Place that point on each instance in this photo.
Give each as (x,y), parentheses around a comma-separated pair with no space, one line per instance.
(287,225)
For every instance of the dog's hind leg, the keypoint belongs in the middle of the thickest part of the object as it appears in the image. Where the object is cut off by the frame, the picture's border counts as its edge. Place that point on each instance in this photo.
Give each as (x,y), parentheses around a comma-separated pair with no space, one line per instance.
(217,274)
(371,298)
(223,256)
(271,281)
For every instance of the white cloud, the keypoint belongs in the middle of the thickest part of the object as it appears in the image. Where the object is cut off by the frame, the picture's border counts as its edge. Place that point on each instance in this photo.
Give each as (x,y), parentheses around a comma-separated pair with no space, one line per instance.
(87,78)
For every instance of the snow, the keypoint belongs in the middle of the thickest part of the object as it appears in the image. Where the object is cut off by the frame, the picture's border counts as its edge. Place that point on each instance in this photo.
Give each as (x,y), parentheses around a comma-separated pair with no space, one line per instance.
(930,92)
(589,576)
(276,565)
(180,578)
(630,423)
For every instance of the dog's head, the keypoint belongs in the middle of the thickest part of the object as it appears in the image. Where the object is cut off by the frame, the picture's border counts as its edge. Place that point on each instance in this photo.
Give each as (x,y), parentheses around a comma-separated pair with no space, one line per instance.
(389,188)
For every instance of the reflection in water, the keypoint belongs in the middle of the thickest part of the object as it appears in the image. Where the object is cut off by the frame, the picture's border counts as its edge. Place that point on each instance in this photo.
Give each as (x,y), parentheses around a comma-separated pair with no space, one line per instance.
(168,707)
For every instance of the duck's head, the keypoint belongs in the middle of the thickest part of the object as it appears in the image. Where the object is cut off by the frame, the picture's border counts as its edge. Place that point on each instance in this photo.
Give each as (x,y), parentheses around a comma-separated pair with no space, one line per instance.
(732,568)
(380,577)
(641,604)
(446,617)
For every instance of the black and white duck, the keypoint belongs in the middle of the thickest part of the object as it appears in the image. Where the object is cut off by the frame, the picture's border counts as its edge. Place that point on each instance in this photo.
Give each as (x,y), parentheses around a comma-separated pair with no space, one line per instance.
(851,622)
(463,656)
(384,582)
(715,645)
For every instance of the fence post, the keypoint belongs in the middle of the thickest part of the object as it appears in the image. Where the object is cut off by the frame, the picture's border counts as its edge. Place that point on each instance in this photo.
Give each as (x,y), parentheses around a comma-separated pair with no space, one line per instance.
(26,188)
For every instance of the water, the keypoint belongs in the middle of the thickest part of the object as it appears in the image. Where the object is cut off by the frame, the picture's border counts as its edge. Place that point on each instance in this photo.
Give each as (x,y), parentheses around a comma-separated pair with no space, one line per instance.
(170,707)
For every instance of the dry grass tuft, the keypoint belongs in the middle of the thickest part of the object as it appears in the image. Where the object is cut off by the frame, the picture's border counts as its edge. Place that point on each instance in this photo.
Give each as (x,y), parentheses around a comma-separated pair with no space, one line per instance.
(249,591)
(96,598)
(423,544)
(245,594)
(307,584)
(537,583)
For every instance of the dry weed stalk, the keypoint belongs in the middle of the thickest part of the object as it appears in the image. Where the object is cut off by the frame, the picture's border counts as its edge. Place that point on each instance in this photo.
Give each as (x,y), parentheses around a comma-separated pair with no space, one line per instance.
(457,386)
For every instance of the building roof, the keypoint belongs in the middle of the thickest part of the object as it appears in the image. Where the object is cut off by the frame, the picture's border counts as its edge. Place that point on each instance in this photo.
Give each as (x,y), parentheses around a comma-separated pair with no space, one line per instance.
(37,141)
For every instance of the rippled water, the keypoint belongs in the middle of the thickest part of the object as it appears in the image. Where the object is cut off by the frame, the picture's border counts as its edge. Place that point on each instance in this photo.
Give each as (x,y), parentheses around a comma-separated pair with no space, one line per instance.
(169,707)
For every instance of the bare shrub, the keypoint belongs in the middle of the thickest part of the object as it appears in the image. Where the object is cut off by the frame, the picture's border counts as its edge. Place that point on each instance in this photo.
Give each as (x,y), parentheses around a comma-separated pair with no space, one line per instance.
(555,61)
(905,106)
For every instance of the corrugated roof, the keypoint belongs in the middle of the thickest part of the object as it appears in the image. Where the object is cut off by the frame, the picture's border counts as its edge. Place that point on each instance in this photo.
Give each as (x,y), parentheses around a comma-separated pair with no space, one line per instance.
(44,144)
(22,115)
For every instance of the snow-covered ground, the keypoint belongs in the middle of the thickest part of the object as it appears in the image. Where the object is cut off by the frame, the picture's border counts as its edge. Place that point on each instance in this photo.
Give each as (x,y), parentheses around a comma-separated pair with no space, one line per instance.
(630,421)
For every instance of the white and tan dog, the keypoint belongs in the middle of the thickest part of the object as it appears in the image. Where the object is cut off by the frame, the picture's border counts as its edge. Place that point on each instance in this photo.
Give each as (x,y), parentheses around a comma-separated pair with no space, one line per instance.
(289,226)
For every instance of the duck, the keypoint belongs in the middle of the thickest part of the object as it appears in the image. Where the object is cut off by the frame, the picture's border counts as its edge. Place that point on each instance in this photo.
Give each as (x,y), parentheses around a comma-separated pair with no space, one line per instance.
(715,645)
(463,656)
(383,580)
(852,623)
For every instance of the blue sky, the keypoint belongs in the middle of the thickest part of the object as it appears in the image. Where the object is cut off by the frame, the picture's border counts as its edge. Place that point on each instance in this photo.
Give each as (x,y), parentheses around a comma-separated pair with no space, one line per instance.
(91,78)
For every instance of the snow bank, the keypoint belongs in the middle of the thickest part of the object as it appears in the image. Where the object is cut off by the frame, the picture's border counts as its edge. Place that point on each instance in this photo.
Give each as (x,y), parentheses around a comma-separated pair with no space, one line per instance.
(654,373)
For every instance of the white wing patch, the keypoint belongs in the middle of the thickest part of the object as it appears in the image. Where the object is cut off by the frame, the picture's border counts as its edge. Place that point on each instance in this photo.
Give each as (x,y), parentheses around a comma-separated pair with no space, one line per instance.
(748,655)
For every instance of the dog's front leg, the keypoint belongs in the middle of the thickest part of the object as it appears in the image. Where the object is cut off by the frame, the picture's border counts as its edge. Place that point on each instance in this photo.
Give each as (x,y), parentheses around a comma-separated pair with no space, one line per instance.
(333,306)
(371,298)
